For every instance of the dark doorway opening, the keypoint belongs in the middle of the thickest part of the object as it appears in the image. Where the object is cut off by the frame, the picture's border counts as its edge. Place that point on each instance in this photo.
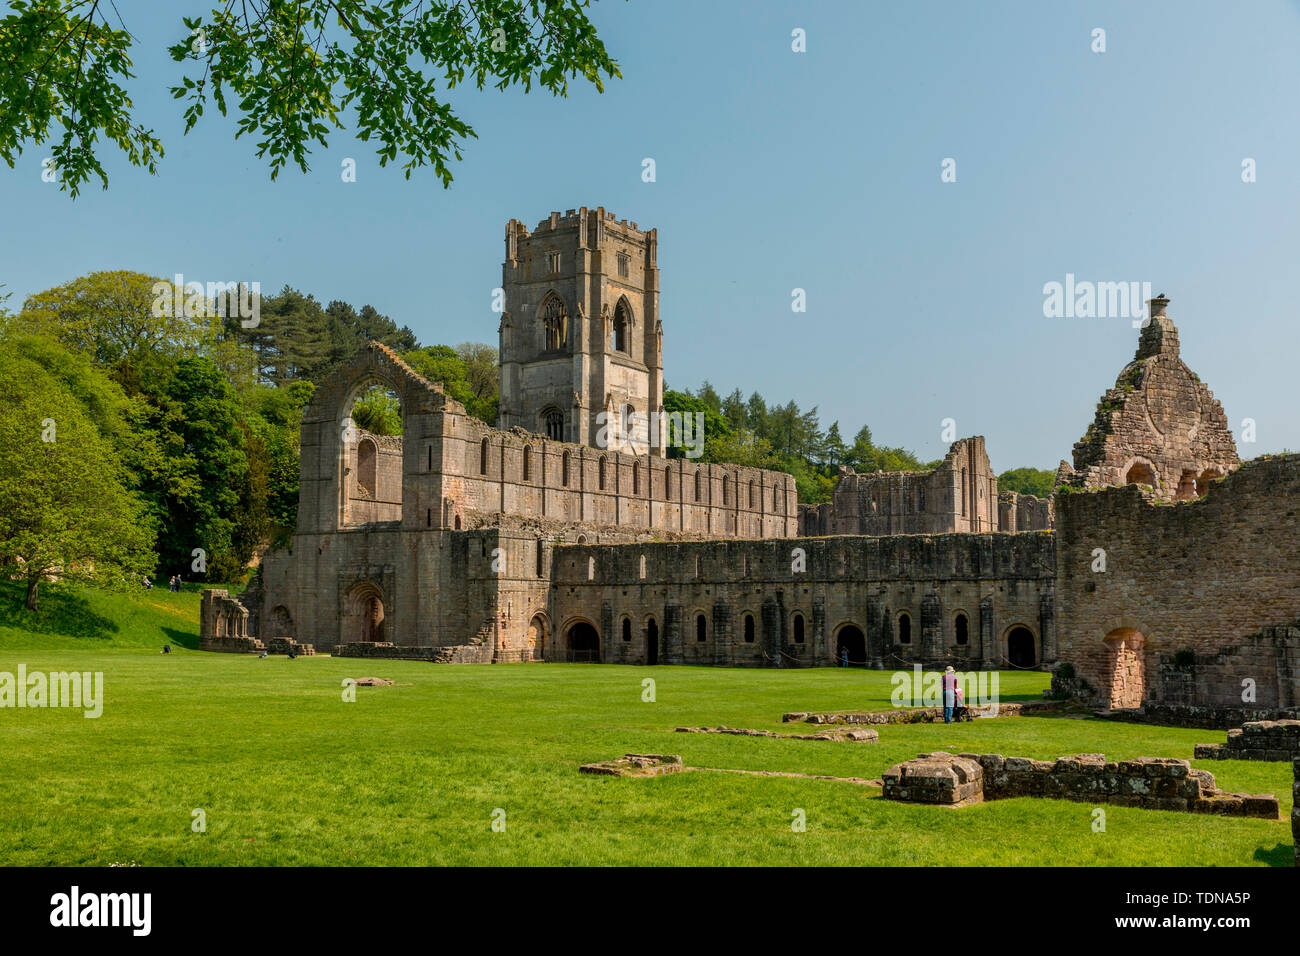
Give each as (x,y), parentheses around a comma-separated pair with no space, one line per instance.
(652,642)
(582,645)
(1022,650)
(851,646)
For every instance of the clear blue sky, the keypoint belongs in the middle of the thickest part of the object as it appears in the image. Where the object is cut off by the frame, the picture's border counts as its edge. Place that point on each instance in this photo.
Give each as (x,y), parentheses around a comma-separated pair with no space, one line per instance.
(818,170)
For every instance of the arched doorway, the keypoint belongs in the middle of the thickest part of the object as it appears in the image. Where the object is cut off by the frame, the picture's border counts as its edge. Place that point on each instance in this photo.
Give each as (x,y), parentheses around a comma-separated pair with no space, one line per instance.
(1128,668)
(1022,647)
(851,646)
(537,637)
(365,619)
(652,642)
(582,644)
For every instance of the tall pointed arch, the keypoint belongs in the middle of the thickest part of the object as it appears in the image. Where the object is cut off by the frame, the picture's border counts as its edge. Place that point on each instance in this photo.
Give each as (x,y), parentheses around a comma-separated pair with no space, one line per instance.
(624,321)
(555,322)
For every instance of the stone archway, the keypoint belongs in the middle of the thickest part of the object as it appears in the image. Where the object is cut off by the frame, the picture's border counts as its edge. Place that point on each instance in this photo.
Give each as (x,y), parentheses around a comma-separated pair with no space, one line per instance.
(1022,647)
(364,620)
(1141,472)
(851,646)
(537,637)
(582,643)
(652,641)
(1127,667)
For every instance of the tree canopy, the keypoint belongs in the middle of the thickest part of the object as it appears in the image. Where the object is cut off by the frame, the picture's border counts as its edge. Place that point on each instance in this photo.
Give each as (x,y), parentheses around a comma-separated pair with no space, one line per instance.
(66,507)
(292,72)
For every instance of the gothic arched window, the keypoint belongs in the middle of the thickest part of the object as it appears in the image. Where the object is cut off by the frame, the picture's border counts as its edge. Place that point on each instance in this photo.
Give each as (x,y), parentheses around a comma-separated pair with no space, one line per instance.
(555,320)
(622,327)
(554,420)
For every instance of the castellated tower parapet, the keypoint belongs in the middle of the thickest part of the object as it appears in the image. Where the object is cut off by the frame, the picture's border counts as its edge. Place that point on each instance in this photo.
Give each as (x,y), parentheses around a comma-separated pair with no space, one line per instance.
(580,333)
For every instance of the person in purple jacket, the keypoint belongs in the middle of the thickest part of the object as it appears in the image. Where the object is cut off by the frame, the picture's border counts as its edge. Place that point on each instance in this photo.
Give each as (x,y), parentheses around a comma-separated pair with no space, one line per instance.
(949,693)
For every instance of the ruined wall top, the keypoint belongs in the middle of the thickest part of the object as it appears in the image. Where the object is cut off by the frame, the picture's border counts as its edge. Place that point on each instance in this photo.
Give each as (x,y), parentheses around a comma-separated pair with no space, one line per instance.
(377,363)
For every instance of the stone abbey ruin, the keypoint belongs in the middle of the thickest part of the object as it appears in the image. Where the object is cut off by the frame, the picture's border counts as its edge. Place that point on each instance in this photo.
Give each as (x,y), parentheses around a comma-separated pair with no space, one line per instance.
(1164,570)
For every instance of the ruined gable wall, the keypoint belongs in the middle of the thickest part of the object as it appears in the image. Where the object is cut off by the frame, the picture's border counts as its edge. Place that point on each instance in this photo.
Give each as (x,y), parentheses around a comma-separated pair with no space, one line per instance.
(1159,415)
(1199,575)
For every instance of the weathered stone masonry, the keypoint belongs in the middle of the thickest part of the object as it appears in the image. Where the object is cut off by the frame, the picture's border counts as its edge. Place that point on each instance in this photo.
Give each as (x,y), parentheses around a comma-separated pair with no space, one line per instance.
(463,542)
(1218,576)
(966,599)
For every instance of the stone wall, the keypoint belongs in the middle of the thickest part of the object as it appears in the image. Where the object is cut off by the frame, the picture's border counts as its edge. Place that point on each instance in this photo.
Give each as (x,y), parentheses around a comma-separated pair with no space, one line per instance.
(1020,512)
(1257,740)
(969,600)
(1218,576)
(1152,783)
(462,556)
(960,495)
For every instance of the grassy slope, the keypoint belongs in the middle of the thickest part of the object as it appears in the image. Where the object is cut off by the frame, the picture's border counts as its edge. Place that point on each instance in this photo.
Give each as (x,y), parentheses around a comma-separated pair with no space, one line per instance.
(288,773)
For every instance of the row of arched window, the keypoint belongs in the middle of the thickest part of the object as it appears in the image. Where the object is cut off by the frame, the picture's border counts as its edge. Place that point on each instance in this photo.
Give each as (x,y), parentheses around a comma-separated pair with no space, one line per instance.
(555,325)
(565,476)
(747,628)
(960,623)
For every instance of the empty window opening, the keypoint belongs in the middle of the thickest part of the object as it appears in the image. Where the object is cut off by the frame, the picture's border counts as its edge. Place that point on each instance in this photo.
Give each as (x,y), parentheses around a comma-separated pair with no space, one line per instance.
(554,421)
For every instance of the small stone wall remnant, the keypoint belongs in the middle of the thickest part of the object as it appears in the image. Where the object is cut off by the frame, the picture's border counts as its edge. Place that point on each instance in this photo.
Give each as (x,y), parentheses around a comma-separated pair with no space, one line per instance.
(920,715)
(1152,783)
(636,765)
(938,778)
(858,734)
(1257,740)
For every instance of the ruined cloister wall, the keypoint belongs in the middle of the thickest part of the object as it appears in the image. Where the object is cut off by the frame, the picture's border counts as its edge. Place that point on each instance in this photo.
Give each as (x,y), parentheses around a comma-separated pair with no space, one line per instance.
(1210,575)
(1021,512)
(961,494)
(998,582)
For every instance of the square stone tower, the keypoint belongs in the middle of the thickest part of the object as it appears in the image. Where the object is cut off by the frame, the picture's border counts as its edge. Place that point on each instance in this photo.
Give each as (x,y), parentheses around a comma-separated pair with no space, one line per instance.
(580,333)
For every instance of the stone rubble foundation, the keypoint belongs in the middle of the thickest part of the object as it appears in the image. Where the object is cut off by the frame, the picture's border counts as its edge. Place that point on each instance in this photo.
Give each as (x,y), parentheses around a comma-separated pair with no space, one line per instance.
(856,734)
(1152,783)
(1256,740)
(636,765)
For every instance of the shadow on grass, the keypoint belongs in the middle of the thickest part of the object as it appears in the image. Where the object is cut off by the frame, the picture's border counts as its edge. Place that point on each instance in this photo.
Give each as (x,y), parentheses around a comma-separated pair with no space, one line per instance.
(1281,855)
(60,613)
(185,639)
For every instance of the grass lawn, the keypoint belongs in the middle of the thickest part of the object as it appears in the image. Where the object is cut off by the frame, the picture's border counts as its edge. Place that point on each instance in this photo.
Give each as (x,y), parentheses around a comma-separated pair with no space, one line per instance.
(288,773)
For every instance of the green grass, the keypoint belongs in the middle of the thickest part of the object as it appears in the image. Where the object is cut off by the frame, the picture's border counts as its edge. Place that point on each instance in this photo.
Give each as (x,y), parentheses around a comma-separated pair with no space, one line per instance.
(288,773)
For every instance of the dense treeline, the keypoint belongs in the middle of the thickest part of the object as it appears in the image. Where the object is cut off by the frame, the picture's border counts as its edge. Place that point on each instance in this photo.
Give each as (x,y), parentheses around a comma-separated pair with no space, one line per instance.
(745,431)
(147,434)
(148,431)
